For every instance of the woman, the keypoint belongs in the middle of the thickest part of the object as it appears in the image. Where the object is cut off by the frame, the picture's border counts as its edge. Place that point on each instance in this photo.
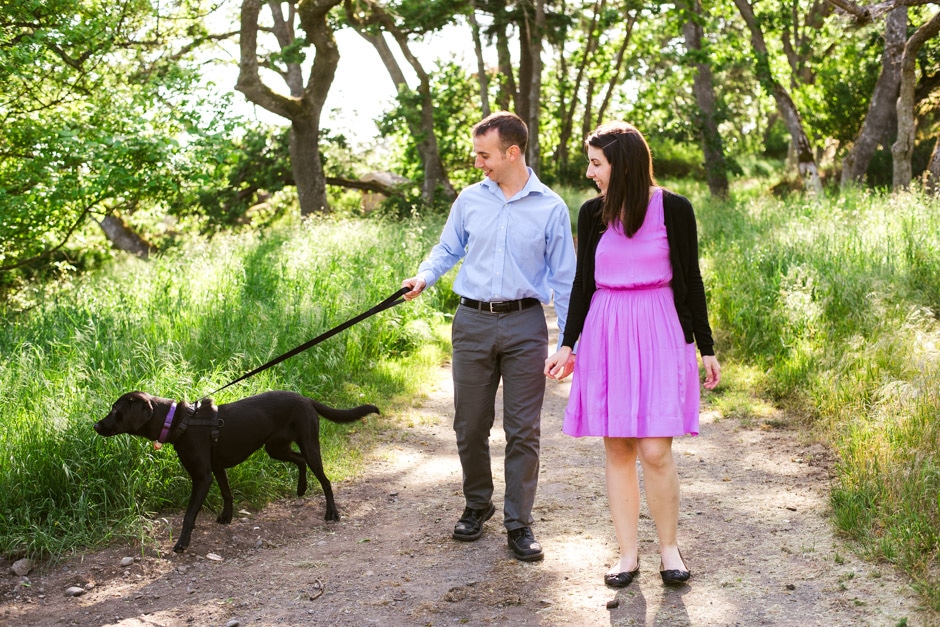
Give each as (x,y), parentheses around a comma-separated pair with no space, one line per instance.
(637,303)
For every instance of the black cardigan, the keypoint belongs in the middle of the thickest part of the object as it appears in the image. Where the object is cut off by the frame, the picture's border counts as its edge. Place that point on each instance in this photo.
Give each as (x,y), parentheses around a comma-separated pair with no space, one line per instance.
(687,285)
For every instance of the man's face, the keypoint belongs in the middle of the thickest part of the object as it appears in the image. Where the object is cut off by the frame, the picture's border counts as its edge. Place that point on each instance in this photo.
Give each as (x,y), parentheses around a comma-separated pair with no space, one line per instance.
(490,157)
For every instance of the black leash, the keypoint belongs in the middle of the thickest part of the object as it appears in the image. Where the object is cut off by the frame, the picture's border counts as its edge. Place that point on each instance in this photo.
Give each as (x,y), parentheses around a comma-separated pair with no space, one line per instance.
(388,303)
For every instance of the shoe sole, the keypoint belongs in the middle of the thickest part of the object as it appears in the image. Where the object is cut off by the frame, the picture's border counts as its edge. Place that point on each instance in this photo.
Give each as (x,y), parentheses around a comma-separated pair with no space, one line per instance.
(674,579)
(534,557)
(468,537)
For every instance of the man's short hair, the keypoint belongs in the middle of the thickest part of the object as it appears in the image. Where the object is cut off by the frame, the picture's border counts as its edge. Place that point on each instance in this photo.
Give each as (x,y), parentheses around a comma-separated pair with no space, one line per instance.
(512,130)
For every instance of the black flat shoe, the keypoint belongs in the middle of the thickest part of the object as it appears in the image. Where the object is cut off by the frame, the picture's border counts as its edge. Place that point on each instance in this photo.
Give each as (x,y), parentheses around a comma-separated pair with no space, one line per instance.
(524,545)
(470,525)
(621,580)
(674,577)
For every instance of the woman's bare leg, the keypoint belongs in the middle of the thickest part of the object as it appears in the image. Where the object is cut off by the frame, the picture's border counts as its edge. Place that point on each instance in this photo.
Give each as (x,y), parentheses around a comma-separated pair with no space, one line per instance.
(623,497)
(661,480)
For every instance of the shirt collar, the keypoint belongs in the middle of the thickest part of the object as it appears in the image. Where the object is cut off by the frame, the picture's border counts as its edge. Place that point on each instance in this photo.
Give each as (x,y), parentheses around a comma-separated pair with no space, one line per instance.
(532,186)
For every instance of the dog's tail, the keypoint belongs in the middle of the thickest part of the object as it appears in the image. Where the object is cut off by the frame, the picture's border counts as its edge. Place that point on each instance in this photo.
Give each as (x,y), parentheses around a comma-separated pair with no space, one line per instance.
(344,415)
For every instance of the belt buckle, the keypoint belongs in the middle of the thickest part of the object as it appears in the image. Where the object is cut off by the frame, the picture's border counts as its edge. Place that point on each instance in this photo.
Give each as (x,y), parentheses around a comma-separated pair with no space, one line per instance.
(490,306)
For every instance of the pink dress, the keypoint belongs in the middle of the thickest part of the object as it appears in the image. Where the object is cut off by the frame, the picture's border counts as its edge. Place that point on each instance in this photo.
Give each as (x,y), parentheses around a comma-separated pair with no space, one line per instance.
(635,376)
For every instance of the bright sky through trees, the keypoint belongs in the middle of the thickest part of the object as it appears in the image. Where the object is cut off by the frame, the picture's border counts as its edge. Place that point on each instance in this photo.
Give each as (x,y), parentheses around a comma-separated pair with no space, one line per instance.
(362,89)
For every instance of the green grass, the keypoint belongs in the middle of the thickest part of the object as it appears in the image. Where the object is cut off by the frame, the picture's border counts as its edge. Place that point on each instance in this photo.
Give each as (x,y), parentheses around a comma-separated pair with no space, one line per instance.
(180,326)
(827,308)
(830,308)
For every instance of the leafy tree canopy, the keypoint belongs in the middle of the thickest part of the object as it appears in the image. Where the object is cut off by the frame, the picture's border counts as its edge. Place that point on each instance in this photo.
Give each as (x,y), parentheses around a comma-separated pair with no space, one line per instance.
(99,103)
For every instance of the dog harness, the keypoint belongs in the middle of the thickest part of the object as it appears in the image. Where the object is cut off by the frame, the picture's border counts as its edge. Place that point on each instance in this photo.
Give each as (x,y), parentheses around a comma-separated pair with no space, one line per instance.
(203,413)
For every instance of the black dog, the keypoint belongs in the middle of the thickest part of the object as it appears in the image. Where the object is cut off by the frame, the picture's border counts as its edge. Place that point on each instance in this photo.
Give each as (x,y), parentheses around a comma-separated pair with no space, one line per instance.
(209,439)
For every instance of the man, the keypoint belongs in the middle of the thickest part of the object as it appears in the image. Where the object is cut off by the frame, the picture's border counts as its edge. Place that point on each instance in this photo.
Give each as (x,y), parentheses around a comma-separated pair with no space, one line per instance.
(514,235)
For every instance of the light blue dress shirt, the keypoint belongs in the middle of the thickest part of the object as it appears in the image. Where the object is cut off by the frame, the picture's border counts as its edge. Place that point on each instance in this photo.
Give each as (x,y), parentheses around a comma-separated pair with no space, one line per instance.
(519,247)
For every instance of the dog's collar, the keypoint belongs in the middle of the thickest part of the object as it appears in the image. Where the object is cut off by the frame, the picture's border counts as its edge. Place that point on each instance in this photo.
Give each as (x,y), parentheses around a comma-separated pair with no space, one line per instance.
(166,427)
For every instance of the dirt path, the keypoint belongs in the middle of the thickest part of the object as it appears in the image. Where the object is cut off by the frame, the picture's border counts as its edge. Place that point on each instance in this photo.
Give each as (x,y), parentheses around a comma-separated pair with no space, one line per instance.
(753,527)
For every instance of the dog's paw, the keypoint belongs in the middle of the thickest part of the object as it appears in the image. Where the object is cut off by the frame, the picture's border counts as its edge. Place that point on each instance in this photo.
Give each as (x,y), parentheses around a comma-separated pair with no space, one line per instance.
(224,519)
(331,515)
(180,547)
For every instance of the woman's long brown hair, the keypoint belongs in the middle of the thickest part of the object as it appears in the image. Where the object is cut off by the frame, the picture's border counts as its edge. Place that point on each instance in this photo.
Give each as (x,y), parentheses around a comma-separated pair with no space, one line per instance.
(631,174)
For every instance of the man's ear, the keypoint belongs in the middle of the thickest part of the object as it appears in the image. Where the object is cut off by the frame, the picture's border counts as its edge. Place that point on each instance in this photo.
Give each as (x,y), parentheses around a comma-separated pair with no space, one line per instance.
(513,152)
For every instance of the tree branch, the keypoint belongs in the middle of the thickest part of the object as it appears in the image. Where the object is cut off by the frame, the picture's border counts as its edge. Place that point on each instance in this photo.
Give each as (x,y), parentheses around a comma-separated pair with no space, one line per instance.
(868,14)
(249,79)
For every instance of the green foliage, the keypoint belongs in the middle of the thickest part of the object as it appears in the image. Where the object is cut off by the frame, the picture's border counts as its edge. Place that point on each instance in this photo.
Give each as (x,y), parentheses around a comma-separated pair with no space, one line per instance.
(420,17)
(835,303)
(836,102)
(180,326)
(255,164)
(456,110)
(94,122)
(673,160)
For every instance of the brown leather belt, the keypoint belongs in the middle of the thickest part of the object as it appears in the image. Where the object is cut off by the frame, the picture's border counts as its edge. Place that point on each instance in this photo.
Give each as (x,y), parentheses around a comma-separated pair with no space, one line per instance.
(503,306)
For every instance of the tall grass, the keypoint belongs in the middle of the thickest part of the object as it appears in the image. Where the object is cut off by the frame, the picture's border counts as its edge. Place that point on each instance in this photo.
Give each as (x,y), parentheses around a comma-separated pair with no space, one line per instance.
(835,304)
(180,326)
(826,306)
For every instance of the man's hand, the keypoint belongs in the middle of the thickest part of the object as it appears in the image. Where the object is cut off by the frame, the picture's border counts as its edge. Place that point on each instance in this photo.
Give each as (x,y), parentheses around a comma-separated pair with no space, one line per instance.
(560,365)
(416,284)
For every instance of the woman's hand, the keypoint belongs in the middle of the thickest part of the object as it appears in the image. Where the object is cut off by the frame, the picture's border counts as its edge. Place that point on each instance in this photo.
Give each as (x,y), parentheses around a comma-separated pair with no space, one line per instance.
(560,365)
(712,371)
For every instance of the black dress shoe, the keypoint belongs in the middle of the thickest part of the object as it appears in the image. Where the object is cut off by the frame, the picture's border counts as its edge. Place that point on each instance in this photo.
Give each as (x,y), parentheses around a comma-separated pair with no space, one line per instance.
(674,577)
(524,545)
(470,525)
(622,580)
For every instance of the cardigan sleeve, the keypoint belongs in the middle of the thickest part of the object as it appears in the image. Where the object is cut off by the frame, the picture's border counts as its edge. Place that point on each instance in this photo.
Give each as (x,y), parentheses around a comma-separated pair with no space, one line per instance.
(694,302)
(583,287)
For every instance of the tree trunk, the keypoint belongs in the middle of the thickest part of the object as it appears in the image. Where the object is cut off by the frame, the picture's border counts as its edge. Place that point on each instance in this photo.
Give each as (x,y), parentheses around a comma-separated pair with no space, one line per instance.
(303,112)
(932,175)
(568,109)
(806,162)
(796,44)
(903,147)
(561,155)
(523,106)
(630,19)
(508,97)
(435,177)
(482,77)
(307,166)
(587,121)
(535,27)
(124,237)
(716,166)
(284,33)
(881,119)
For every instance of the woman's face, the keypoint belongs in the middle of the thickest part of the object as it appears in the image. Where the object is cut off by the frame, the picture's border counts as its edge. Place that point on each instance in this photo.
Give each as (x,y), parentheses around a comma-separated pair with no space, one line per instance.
(598,168)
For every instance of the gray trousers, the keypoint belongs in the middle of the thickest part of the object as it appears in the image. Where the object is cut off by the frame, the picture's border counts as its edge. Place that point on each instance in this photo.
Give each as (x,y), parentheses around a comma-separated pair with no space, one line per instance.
(486,348)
